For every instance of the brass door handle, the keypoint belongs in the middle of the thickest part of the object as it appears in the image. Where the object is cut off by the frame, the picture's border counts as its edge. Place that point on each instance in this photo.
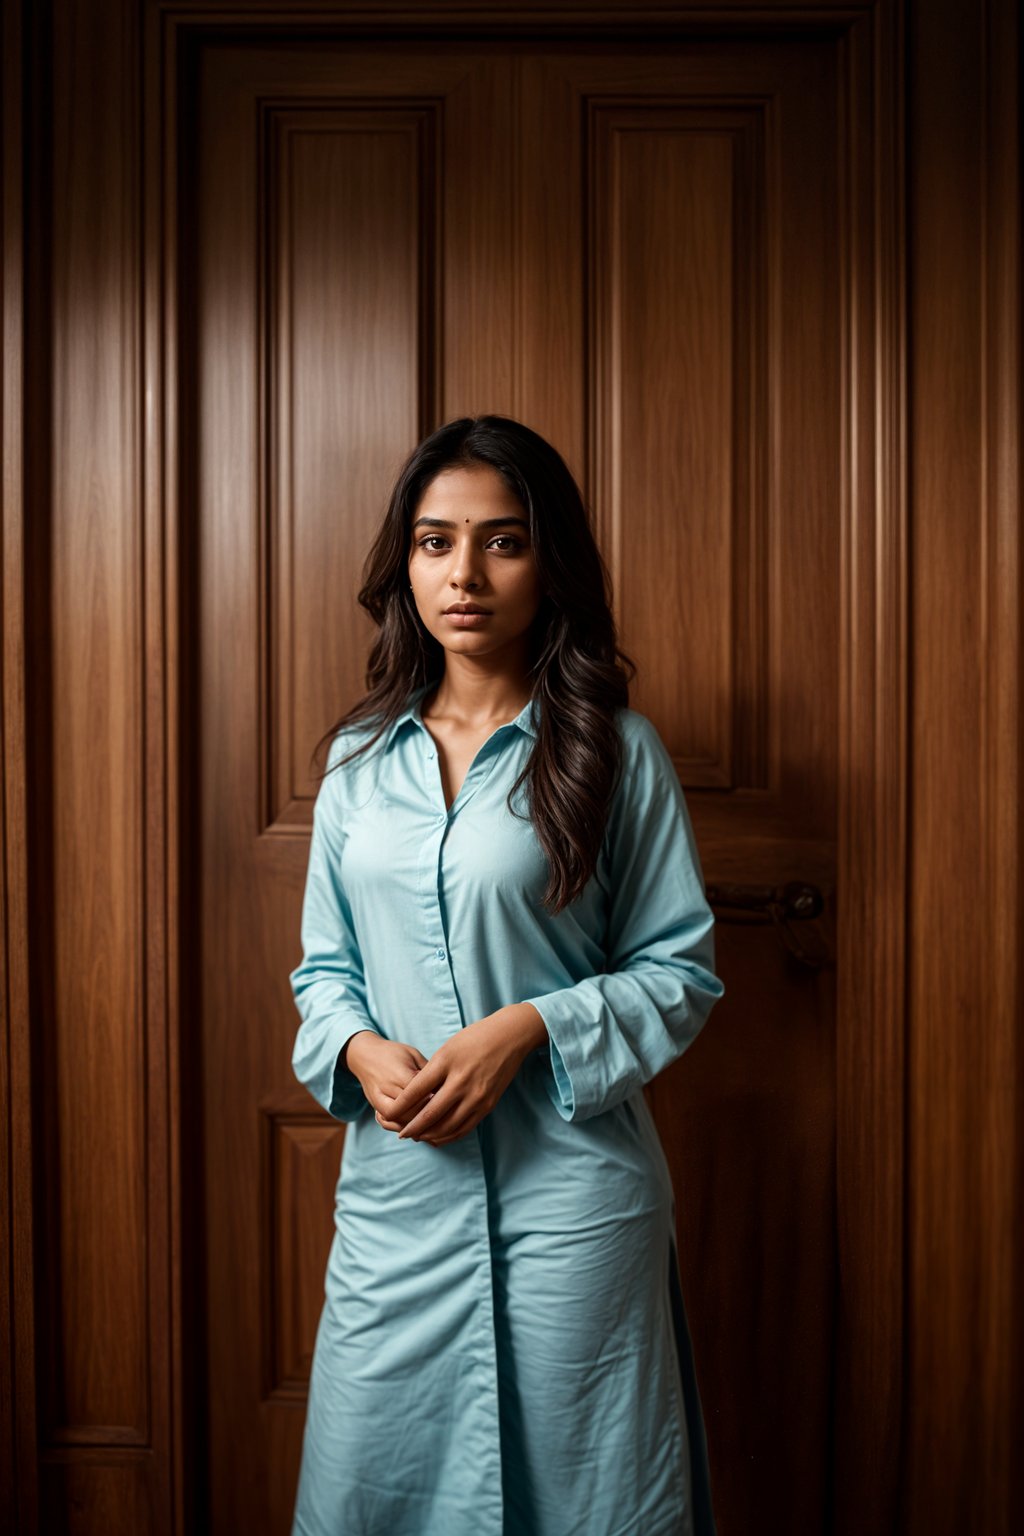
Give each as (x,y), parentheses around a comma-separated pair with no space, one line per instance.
(794,901)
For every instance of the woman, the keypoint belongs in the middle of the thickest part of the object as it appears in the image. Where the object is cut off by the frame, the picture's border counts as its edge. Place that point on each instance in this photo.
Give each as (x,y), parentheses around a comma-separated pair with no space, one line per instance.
(505,936)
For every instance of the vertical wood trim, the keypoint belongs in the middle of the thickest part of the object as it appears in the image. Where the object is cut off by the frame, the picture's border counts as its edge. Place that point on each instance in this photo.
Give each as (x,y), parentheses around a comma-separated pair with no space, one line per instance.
(18,1491)
(965,1269)
(162,640)
(1001,759)
(874,750)
(97,1262)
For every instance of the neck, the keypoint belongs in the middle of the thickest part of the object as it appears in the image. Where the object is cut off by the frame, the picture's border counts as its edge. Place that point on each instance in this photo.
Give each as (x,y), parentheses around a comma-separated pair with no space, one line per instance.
(472,697)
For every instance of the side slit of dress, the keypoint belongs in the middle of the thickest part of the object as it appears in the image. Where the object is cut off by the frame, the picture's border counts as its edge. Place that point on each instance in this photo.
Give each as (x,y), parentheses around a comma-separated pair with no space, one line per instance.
(700,1474)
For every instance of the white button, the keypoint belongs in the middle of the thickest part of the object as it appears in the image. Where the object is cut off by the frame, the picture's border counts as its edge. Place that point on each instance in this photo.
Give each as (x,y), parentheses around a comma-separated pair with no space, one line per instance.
(441,816)
(439,953)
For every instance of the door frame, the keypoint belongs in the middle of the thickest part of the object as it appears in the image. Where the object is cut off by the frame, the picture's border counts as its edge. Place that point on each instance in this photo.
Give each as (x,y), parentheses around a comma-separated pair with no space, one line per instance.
(872,839)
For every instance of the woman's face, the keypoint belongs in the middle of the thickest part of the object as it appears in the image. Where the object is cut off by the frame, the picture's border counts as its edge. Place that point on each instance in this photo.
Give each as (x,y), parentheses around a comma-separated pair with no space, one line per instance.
(470,543)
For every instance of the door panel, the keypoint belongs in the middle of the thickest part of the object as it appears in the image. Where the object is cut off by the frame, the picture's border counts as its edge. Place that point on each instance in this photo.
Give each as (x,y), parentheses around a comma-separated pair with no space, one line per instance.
(635,251)
(705,191)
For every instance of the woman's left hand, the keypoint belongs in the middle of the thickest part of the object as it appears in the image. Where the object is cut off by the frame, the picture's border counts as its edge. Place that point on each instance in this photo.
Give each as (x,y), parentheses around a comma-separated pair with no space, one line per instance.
(465,1077)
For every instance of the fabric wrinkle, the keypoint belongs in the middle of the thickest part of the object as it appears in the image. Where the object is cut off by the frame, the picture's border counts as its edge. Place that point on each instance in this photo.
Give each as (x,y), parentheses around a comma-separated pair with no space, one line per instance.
(502,1348)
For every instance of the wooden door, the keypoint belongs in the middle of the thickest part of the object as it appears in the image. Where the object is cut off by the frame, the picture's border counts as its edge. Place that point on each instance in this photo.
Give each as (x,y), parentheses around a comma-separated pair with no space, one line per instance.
(634,248)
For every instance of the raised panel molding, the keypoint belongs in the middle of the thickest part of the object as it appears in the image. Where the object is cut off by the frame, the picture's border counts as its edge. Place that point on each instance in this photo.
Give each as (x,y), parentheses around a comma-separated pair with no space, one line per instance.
(366,173)
(100,1494)
(671,283)
(101,1241)
(301,1158)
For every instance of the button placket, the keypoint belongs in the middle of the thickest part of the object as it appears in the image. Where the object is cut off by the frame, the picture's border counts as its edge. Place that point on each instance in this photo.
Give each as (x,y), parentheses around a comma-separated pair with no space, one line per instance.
(479,770)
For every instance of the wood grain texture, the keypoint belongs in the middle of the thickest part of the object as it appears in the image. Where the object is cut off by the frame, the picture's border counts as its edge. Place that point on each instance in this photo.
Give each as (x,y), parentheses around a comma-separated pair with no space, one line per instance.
(99,1491)
(18,1450)
(664,193)
(300,1159)
(87,952)
(963,1419)
(91,1245)
(875,751)
(503,18)
(349,341)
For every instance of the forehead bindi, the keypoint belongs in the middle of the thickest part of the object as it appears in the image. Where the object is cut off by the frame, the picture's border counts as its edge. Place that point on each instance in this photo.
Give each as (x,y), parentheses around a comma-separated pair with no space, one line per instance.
(444,503)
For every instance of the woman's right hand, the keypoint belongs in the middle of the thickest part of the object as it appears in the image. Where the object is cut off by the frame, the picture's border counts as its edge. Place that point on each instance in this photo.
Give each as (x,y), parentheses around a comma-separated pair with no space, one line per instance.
(383,1067)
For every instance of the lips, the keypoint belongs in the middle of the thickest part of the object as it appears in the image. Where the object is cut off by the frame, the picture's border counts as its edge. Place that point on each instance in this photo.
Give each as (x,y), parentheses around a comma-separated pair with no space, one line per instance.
(466,608)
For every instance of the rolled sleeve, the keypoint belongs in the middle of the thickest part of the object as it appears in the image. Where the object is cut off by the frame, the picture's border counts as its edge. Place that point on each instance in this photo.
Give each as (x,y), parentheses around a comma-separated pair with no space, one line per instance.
(611,1033)
(328,985)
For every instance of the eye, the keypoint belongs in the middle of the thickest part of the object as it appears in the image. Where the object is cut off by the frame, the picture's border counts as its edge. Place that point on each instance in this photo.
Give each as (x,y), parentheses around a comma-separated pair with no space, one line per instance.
(507,539)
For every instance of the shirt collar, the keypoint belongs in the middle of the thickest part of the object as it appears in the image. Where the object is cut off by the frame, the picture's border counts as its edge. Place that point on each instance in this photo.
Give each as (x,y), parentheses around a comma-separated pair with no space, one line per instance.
(526,719)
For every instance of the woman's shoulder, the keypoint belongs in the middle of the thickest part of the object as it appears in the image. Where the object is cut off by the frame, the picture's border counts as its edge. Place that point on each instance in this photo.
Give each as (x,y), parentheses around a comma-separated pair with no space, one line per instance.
(350,775)
(648,771)
(347,739)
(640,736)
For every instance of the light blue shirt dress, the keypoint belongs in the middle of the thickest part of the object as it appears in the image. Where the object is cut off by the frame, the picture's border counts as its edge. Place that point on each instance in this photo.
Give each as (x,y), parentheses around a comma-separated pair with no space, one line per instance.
(502,1349)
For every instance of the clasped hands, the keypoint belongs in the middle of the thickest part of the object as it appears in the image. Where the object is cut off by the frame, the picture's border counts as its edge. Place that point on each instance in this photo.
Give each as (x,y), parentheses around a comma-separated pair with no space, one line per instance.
(442,1099)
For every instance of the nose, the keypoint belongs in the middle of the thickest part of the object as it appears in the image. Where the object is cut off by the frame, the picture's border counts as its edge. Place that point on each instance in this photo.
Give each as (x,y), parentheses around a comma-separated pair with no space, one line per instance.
(465,570)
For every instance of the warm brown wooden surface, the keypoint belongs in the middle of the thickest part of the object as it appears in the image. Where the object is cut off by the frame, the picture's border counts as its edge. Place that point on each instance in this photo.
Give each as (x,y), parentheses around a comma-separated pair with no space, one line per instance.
(893,742)
(963,1437)
(17,1431)
(90,1230)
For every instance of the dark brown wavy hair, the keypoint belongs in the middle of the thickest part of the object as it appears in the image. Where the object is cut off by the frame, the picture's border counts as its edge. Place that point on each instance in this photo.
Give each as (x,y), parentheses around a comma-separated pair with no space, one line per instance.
(580,675)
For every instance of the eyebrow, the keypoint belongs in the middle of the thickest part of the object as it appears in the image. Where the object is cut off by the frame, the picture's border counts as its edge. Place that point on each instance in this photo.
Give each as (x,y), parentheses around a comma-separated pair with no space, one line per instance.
(489,522)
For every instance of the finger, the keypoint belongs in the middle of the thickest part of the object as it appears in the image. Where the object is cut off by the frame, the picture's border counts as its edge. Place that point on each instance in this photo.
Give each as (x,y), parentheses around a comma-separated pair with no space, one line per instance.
(385,1115)
(453,1130)
(459,1117)
(429,1077)
(412,1095)
(443,1102)
(400,1121)
(455,1116)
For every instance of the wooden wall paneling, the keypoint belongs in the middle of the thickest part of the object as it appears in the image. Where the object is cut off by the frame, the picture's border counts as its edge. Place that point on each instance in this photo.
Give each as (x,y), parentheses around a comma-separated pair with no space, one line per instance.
(963,1467)
(168,88)
(17,1311)
(363,177)
(94,1492)
(874,751)
(1002,761)
(480,291)
(300,1152)
(672,285)
(86,756)
(98,1173)
(551,309)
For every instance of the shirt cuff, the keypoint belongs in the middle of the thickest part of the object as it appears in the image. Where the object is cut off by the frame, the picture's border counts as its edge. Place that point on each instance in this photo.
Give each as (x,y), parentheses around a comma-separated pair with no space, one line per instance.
(564,1086)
